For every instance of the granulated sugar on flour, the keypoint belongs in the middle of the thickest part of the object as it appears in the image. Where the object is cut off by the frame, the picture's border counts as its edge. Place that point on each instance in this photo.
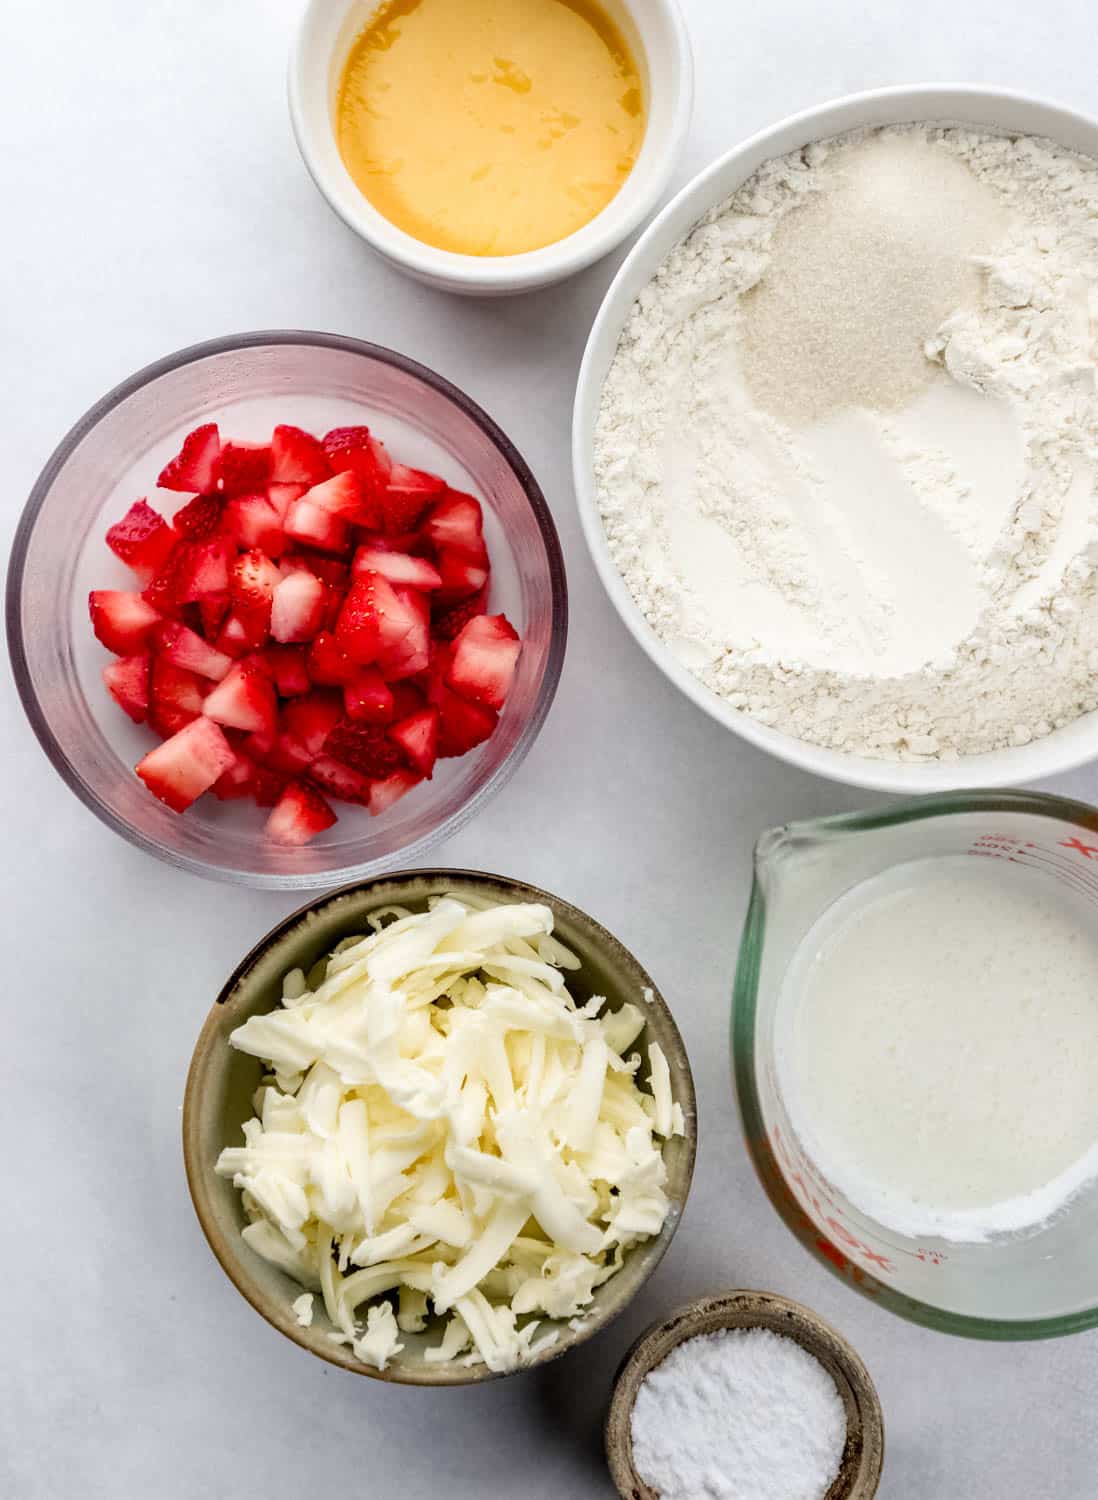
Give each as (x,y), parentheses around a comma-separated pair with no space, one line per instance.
(742,1414)
(847,448)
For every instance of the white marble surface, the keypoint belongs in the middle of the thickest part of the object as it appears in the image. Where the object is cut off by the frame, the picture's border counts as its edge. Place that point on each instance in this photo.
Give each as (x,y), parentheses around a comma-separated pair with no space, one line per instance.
(152,197)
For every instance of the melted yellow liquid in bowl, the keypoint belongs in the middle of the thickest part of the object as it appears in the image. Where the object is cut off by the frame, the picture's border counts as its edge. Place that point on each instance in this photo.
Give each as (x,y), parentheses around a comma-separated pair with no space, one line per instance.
(490,127)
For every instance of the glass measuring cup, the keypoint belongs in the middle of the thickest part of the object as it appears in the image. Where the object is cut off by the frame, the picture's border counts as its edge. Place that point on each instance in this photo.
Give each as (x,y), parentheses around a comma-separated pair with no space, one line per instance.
(1036,1284)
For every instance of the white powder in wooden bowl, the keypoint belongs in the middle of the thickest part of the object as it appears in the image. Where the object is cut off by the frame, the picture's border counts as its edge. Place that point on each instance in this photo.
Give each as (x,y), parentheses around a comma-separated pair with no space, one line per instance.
(743,1414)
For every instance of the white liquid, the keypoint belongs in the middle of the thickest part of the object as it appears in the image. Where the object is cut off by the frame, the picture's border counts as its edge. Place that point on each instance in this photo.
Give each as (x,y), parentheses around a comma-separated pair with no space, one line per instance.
(937,1047)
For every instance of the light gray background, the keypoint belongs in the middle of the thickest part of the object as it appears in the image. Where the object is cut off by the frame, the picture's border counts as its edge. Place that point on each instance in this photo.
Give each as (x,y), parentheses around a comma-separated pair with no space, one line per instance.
(151,196)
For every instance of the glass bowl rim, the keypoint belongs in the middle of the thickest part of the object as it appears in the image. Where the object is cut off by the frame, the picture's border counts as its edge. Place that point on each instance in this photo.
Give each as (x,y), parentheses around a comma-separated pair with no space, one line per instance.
(742,1044)
(193,354)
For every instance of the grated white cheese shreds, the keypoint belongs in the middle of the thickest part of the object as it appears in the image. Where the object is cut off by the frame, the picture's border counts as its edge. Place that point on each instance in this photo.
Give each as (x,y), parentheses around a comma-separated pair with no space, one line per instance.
(441,1123)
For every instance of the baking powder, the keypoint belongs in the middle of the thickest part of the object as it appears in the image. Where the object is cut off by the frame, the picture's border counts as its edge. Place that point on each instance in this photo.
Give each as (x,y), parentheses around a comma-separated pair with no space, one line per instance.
(847,446)
(743,1414)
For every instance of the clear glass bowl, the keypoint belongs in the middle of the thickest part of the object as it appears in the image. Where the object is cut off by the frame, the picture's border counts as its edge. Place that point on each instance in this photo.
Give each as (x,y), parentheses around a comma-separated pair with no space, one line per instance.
(112,456)
(1037,1284)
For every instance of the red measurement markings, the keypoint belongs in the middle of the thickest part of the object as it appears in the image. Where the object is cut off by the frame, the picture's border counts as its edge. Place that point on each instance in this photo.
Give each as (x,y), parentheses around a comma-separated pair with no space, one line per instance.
(1088,851)
(854,1247)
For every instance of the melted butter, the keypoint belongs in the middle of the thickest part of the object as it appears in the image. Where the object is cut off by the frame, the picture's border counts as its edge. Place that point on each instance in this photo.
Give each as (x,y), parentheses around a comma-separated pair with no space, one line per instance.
(490,127)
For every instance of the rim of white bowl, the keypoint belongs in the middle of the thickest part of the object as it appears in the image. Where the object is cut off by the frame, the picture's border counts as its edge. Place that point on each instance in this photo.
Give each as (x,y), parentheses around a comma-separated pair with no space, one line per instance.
(975,105)
(487,274)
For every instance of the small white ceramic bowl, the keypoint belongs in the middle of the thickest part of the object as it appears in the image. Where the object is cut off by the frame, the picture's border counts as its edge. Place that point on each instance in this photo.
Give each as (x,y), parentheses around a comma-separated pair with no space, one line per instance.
(987,109)
(658,37)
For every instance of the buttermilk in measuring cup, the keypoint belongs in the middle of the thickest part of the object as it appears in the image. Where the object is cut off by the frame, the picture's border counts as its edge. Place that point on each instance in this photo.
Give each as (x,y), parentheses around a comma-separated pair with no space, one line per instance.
(939,1042)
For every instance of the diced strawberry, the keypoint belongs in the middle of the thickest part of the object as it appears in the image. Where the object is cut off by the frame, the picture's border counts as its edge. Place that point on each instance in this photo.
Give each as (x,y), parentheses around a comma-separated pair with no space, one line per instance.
(309,721)
(384,793)
(299,815)
(288,757)
(127,681)
(240,635)
(259,746)
(183,648)
(245,467)
(456,522)
(329,664)
(372,619)
(288,669)
(297,607)
(314,527)
(363,746)
(417,738)
(200,518)
(143,540)
(339,496)
(368,698)
(410,654)
(175,696)
(357,450)
(461,576)
(188,764)
(237,780)
(195,466)
(452,620)
(267,786)
(407,495)
(211,613)
(407,699)
(462,725)
(253,521)
(122,621)
(253,579)
(397,567)
(244,700)
(282,496)
(205,570)
(297,457)
(339,780)
(164,592)
(329,568)
(484,659)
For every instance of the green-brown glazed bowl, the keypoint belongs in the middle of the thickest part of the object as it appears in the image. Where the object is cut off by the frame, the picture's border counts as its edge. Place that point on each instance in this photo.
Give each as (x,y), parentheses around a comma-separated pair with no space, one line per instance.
(221,1083)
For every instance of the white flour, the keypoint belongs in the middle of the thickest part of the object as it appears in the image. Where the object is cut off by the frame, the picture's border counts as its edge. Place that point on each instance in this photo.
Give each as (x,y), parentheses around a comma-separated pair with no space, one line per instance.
(743,1414)
(860,504)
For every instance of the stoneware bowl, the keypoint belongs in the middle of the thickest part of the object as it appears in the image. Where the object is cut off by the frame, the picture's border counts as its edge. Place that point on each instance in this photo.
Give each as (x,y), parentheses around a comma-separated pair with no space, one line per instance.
(983,108)
(657,35)
(860,1468)
(221,1083)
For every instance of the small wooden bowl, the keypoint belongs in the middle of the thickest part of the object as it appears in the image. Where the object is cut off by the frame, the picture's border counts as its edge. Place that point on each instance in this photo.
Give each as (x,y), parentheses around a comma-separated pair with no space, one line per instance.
(860,1469)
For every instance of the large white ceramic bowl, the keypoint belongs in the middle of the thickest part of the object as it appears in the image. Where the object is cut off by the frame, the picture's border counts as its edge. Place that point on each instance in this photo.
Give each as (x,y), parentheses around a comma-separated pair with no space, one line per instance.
(989,109)
(655,31)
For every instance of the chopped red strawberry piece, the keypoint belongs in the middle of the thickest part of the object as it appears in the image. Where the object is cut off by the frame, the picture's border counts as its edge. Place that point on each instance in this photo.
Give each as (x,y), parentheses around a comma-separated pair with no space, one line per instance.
(417,738)
(175,696)
(252,582)
(309,721)
(297,607)
(267,786)
(372,620)
(410,654)
(245,467)
(452,620)
(211,613)
(462,576)
(183,648)
(407,699)
(407,495)
(314,527)
(297,457)
(188,764)
(368,698)
(329,568)
(143,540)
(163,593)
(244,700)
(282,496)
(299,815)
(384,793)
(363,746)
(339,780)
(259,746)
(204,570)
(128,683)
(253,521)
(462,725)
(329,664)
(240,635)
(237,780)
(341,495)
(484,658)
(195,466)
(200,518)
(397,567)
(456,521)
(357,450)
(289,757)
(288,669)
(122,621)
